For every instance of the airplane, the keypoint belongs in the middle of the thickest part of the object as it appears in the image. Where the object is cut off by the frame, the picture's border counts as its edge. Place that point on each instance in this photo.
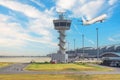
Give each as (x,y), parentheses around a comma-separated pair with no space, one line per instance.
(94,20)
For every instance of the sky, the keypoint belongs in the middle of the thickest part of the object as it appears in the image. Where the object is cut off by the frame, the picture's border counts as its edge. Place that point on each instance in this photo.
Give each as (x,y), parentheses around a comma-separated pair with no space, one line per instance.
(26,26)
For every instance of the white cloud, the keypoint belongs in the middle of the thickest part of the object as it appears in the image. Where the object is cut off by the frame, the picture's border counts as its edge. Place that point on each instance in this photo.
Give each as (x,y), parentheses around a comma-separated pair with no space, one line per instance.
(81,7)
(38,3)
(64,4)
(87,8)
(90,9)
(27,10)
(14,36)
(92,42)
(39,23)
(114,38)
(111,39)
(4,18)
(112,2)
(11,33)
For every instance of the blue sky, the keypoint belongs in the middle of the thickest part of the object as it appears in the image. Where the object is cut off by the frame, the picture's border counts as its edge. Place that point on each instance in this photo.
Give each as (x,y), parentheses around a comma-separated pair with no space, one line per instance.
(26,26)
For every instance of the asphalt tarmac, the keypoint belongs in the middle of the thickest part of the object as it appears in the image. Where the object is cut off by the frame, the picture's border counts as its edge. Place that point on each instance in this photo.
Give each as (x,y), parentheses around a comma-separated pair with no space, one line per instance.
(14,68)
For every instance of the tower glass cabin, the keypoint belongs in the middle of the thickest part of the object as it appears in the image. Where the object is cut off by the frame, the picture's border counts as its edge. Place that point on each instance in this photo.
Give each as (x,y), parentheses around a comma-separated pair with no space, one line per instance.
(62,24)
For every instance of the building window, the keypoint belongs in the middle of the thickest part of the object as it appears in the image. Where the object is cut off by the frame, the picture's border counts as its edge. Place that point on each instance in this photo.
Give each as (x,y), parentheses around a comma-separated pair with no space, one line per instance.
(62,23)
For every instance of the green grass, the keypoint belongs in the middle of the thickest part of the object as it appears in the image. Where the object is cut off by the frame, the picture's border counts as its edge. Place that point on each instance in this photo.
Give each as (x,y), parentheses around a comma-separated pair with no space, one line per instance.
(3,64)
(65,67)
(58,77)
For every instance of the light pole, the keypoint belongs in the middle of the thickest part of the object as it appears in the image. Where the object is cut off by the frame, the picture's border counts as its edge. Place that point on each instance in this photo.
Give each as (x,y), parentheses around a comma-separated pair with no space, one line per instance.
(68,46)
(83,45)
(97,44)
(74,46)
(100,18)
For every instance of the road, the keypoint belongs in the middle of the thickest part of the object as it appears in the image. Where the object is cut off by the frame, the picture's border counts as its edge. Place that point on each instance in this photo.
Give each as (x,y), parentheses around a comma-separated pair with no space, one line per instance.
(14,68)
(19,69)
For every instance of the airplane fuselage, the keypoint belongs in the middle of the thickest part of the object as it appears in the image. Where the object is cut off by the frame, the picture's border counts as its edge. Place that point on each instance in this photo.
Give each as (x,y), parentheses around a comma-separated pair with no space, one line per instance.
(94,20)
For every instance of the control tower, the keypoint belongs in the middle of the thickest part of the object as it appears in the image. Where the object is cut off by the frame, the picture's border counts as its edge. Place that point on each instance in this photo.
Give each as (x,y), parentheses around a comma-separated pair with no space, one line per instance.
(61,25)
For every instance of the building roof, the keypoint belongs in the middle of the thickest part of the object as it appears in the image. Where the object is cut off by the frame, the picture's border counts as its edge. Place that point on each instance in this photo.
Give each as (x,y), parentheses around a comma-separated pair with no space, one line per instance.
(110,54)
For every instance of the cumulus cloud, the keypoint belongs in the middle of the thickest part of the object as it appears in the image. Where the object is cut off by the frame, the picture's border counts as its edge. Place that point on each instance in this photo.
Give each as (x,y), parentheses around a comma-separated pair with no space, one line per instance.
(112,2)
(87,8)
(39,23)
(38,3)
(64,4)
(10,32)
(27,10)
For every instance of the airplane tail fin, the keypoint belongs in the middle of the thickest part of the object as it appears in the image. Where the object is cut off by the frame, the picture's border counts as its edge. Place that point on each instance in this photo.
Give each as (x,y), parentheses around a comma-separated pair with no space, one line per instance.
(83,19)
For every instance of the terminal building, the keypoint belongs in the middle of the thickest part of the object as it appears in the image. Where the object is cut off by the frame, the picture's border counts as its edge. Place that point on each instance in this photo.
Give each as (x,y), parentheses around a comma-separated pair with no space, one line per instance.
(90,52)
(111,58)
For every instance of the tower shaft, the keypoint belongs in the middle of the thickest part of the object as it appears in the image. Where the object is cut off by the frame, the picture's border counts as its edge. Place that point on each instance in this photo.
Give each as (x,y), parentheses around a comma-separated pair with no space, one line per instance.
(61,41)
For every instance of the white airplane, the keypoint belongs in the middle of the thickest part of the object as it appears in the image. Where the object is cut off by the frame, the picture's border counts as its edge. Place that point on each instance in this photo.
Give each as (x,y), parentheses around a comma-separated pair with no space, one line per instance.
(94,20)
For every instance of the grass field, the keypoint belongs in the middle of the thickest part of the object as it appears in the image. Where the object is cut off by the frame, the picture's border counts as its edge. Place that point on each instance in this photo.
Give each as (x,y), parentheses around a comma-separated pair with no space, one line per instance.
(3,64)
(65,67)
(58,77)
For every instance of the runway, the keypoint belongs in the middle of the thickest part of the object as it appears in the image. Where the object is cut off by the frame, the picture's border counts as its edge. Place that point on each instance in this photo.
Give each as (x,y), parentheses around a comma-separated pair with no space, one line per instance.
(24,59)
